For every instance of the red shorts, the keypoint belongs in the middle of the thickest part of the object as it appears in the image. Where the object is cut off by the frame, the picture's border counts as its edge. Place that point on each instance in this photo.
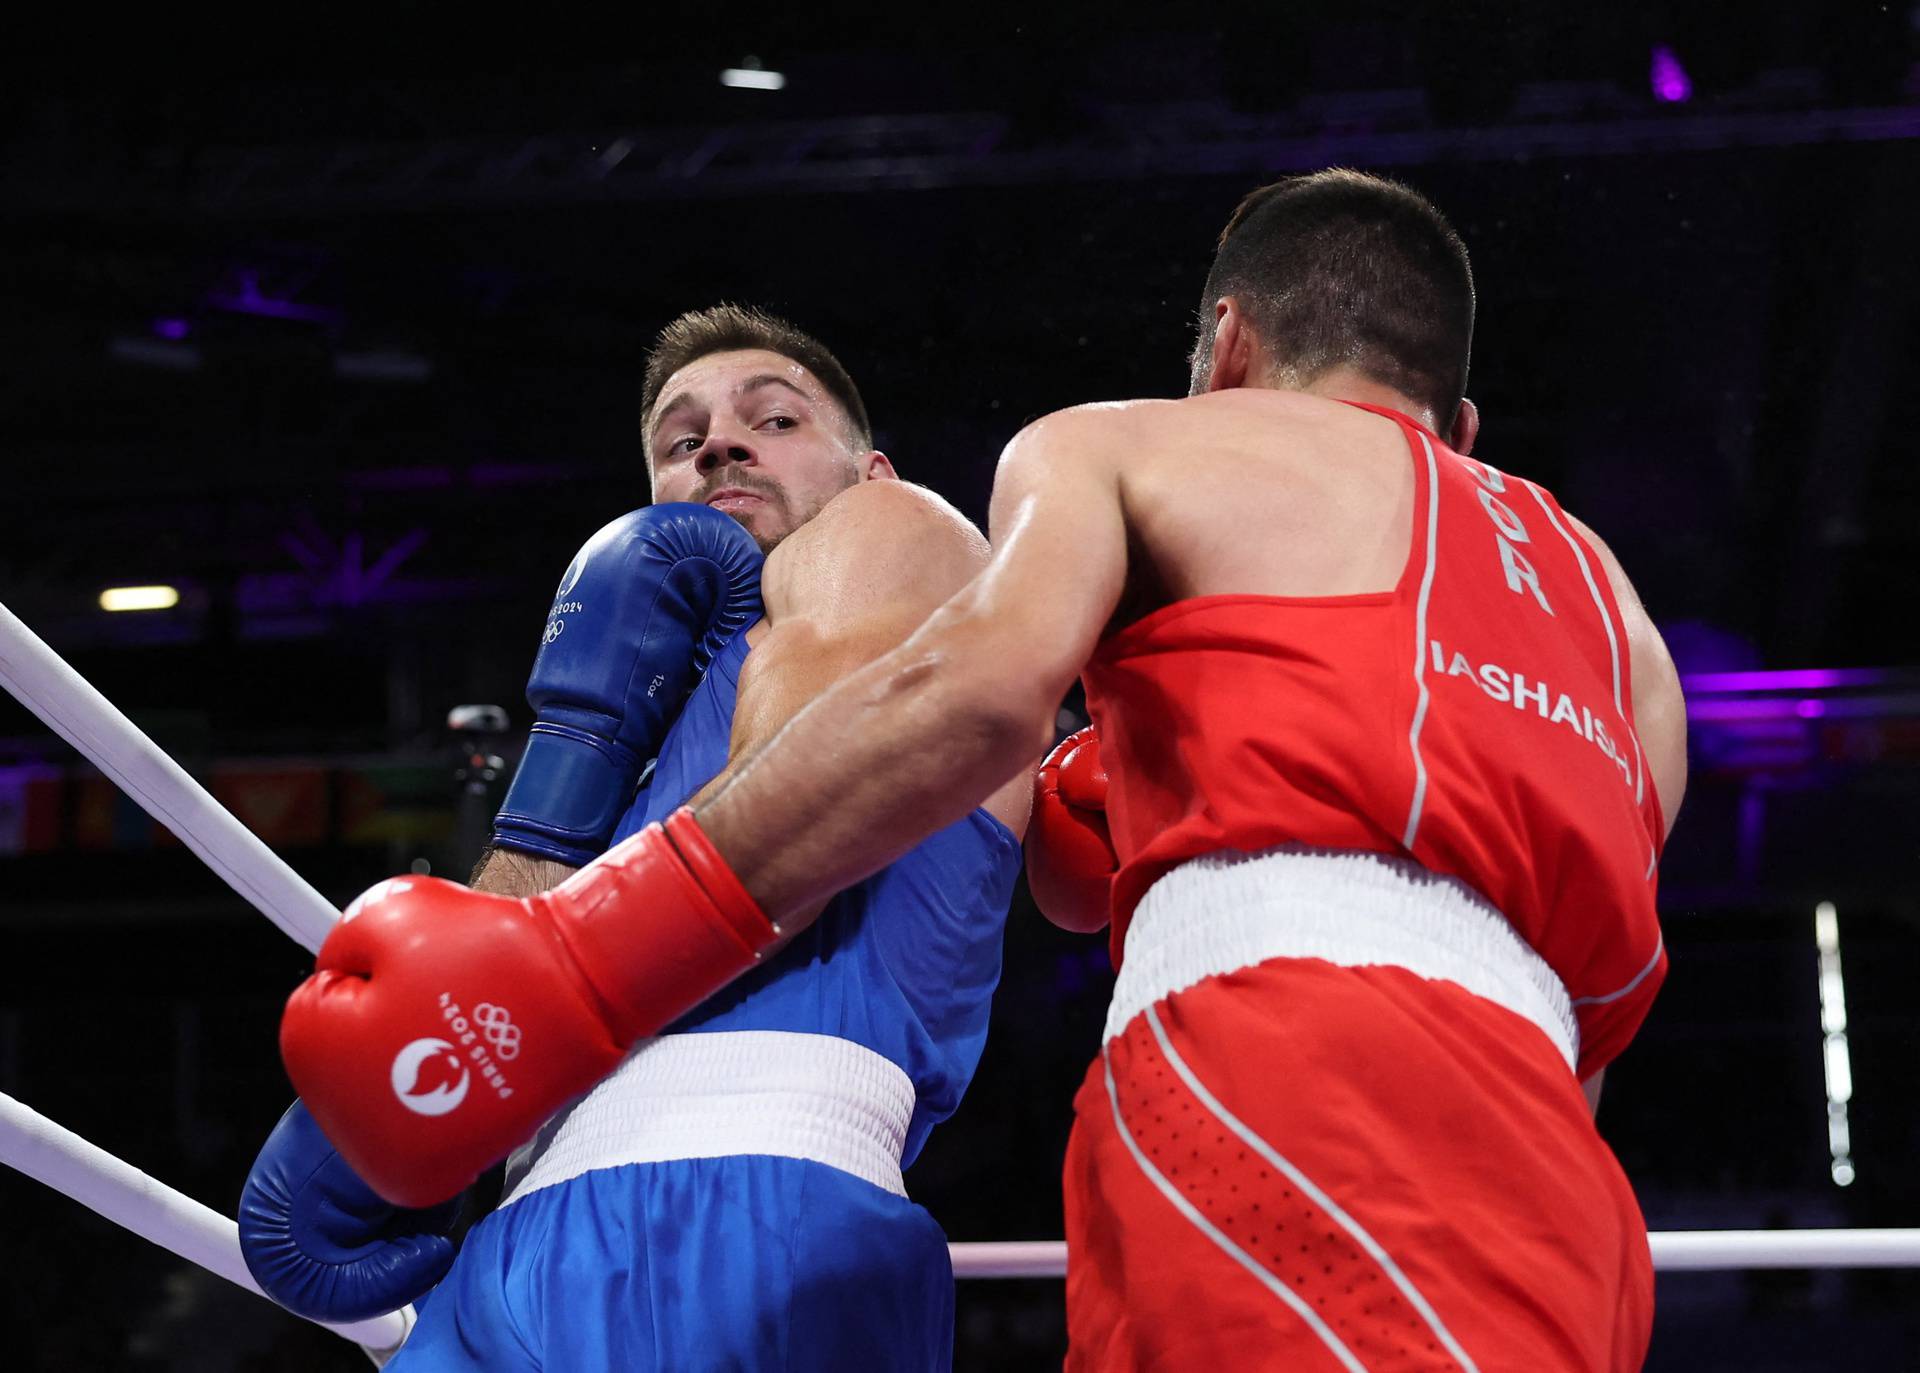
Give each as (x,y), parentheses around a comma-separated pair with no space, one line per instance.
(1309,1167)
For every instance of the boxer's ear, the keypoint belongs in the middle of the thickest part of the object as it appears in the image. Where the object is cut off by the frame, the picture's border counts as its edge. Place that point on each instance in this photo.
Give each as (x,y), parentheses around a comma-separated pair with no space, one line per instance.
(877,466)
(1466,428)
(1233,345)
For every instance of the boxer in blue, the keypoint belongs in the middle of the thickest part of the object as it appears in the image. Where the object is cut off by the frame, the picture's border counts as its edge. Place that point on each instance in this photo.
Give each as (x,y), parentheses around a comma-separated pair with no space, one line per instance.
(730,1196)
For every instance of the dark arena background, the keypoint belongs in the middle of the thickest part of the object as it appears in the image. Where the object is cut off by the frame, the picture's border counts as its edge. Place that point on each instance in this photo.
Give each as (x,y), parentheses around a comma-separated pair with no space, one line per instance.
(342,342)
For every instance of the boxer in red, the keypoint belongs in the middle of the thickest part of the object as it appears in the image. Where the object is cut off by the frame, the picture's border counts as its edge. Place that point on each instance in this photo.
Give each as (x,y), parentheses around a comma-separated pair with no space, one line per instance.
(1390,745)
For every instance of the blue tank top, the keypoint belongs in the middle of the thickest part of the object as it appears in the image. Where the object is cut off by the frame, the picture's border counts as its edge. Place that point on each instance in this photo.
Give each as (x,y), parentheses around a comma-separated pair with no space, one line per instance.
(905,963)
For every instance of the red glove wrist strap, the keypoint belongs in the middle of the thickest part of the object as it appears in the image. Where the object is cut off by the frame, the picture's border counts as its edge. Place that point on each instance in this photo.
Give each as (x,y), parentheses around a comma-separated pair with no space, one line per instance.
(656,925)
(717,880)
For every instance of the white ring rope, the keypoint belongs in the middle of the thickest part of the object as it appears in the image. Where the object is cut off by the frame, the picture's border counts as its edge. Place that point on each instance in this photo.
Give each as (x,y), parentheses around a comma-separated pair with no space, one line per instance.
(55,1155)
(1673,1251)
(1702,1249)
(46,685)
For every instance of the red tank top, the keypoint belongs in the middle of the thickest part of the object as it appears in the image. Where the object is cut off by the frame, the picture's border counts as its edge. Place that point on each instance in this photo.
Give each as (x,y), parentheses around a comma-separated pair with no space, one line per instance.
(1478,718)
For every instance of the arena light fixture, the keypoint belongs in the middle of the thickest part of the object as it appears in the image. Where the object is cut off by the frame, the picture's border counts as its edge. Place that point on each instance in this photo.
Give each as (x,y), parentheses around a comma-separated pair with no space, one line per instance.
(139,598)
(750,75)
(1837,1062)
(1669,79)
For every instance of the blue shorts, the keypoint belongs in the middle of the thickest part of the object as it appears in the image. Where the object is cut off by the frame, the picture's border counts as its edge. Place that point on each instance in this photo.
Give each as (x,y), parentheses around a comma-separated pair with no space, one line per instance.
(748,1263)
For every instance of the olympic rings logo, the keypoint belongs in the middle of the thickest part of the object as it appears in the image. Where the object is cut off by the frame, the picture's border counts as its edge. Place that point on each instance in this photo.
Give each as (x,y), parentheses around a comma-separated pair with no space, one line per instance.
(553,631)
(497,1025)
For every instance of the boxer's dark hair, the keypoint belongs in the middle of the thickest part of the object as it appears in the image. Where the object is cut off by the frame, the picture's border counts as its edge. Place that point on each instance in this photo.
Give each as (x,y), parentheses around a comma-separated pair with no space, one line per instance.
(729,328)
(1344,267)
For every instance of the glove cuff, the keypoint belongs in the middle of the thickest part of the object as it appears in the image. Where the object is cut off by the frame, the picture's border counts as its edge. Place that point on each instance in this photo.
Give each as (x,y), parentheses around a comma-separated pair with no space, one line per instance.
(657,926)
(568,795)
(718,882)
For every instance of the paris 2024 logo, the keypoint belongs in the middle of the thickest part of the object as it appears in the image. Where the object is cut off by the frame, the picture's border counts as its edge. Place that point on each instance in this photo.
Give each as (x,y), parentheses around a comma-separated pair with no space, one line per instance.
(431,1076)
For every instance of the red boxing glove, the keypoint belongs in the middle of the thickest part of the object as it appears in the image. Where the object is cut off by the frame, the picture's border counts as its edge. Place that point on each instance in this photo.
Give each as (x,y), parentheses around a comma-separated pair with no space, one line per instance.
(441,1026)
(1070,858)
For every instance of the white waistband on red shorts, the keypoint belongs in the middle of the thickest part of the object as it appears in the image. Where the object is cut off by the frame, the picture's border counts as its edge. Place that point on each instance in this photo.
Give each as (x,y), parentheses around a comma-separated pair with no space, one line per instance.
(724,1092)
(1225,911)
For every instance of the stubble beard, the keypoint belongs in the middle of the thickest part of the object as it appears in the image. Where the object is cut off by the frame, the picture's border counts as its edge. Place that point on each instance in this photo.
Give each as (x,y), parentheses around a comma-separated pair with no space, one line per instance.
(792,525)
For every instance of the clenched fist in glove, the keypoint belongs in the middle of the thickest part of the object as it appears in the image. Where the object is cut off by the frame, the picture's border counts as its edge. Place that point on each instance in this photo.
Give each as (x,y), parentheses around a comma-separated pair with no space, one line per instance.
(325,1245)
(643,609)
(1070,858)
(441,1025)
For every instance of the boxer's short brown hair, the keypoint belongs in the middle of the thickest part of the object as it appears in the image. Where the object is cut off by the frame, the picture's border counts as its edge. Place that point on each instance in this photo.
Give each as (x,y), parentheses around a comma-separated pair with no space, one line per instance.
(731,328)
(1343,267)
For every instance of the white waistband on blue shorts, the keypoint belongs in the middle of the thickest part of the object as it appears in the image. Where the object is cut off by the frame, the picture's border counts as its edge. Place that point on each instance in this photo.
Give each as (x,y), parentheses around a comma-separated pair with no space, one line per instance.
(724,1092)
(1226,911)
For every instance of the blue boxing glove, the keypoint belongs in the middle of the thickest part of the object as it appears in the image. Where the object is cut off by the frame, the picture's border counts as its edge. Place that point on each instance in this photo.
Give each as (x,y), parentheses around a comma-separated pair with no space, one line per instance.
(643,609)
(322,1243)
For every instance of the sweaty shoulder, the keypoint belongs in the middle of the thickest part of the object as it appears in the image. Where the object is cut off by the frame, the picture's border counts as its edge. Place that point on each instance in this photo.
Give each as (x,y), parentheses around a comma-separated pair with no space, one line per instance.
(1287,427)
(1085,428)
(1244,491)
(880,541)
(1082,443)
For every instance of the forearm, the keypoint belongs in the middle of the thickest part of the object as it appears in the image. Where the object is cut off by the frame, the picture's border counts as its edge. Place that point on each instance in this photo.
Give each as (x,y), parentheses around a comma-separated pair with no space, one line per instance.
(508,872)
(845,789)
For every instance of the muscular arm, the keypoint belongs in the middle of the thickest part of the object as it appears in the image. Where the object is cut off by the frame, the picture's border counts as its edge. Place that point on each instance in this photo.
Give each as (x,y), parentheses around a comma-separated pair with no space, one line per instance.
(1659,709)
(841,791)
(849,586)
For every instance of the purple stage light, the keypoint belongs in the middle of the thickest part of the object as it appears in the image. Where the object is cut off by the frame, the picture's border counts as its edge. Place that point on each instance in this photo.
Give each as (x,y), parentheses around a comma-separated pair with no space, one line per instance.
(1671,84)
(249,299)
(1743,709)
(1796,679)
(170,327)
